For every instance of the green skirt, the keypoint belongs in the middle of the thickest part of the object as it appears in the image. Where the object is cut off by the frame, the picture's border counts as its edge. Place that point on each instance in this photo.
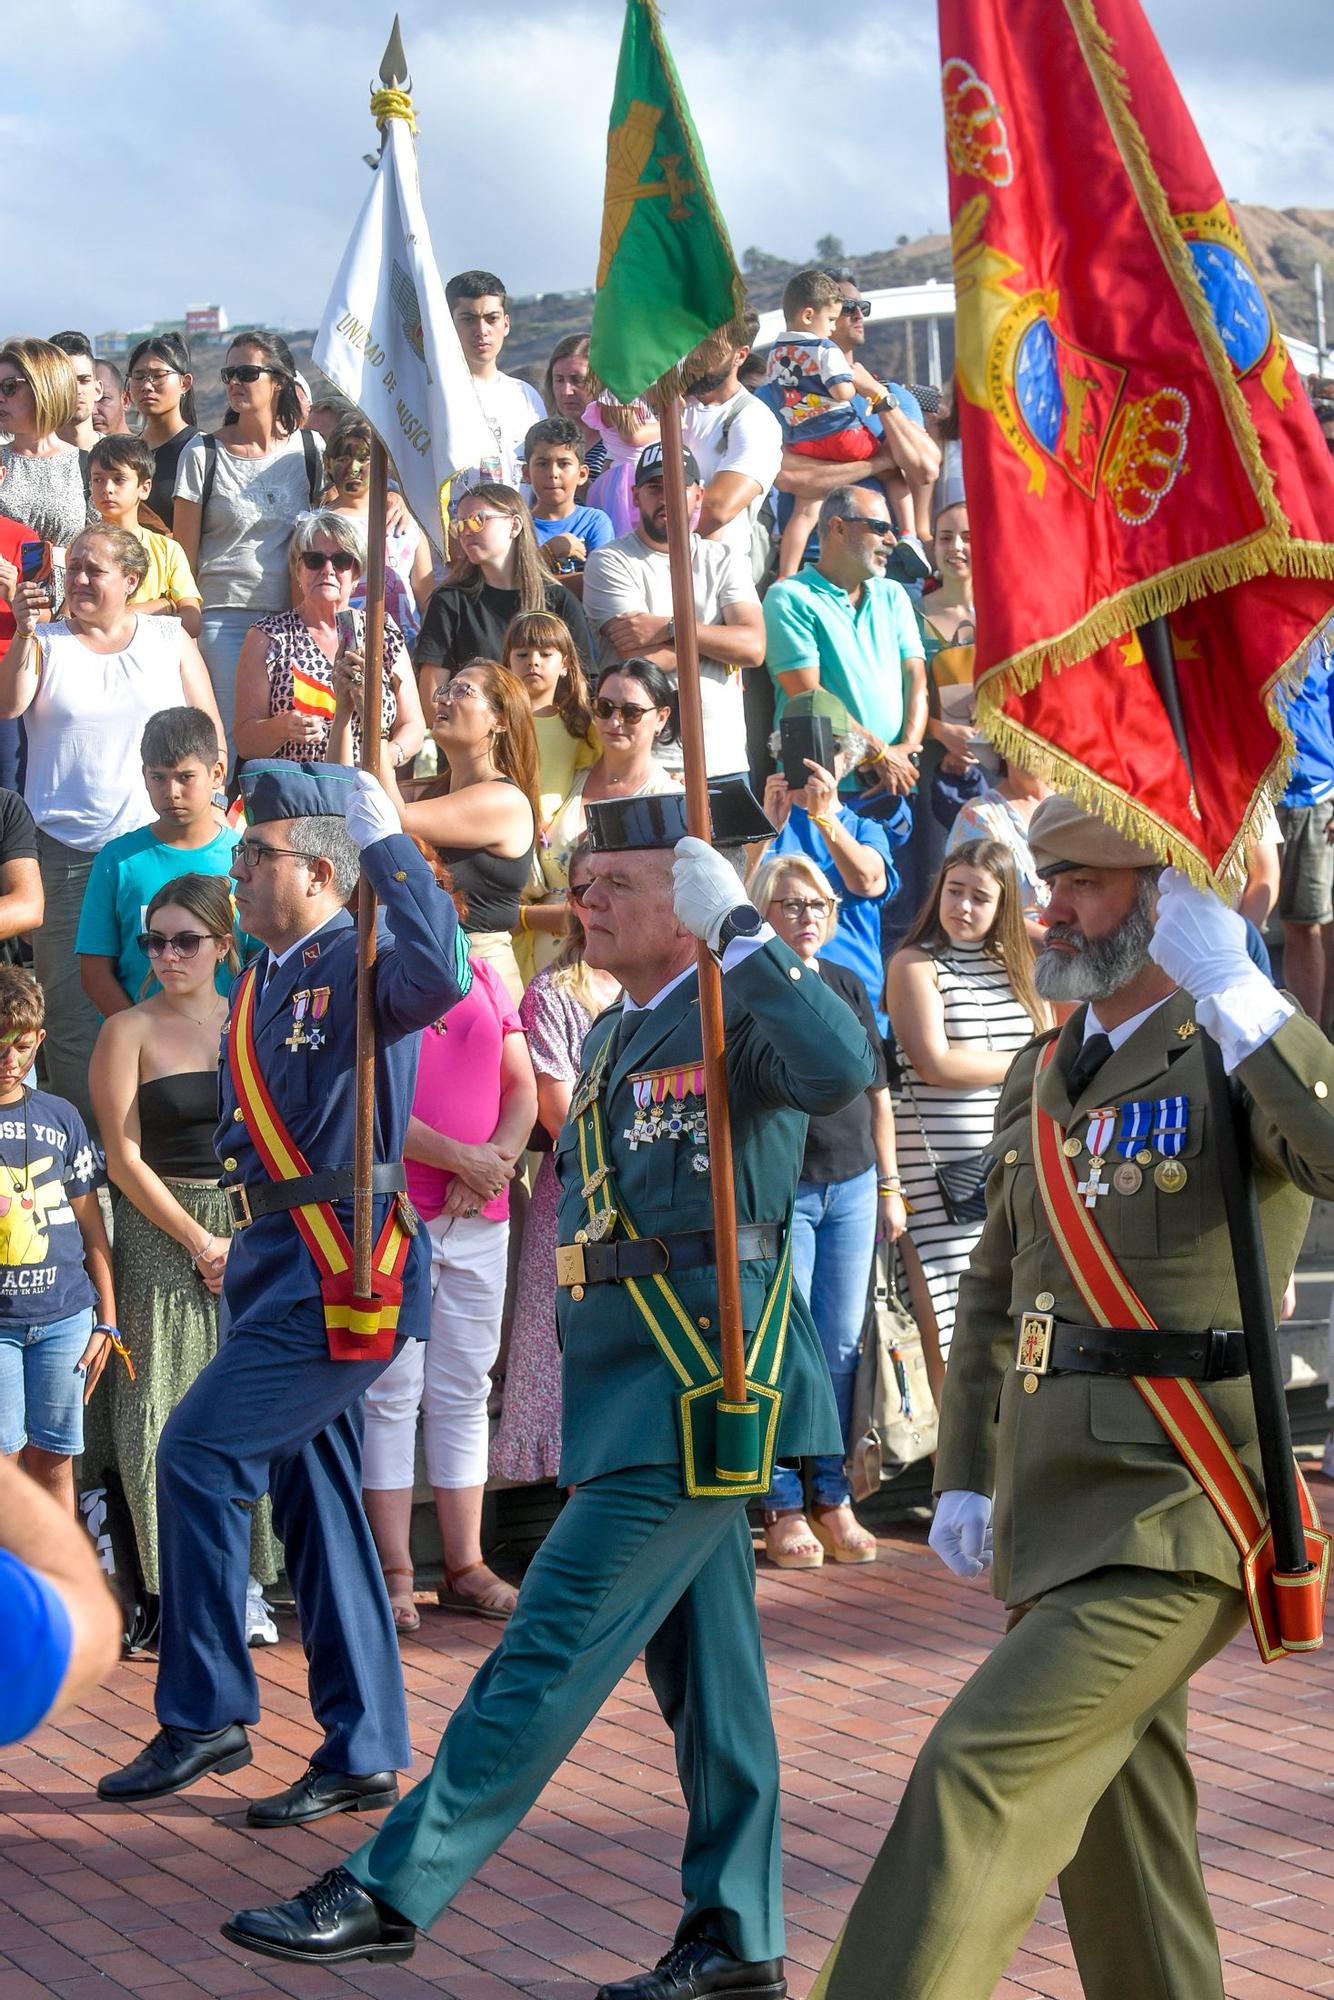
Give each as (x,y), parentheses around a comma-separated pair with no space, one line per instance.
(170,1325)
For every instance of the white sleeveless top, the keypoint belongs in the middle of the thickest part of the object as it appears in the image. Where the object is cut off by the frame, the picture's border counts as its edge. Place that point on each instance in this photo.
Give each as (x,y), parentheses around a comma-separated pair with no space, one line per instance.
(85,779)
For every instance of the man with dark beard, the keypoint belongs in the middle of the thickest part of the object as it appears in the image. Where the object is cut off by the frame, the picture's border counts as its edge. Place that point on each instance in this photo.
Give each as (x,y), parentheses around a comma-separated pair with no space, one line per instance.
(1065,1754)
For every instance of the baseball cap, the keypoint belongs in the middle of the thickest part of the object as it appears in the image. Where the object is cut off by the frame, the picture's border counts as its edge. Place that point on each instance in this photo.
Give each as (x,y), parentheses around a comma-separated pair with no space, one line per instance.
(650,465)
(821,701)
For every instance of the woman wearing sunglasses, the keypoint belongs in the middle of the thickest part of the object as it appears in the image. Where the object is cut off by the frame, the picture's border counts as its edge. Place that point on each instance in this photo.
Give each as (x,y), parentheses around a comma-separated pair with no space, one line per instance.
(634,714)
(297,686)
(154,1080)
(238,494)
(496,574)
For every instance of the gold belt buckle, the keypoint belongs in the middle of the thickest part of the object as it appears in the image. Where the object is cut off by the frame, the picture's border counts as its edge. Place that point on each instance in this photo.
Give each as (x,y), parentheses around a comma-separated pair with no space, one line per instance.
(569,1264)
(1033,1355)
(238,1206)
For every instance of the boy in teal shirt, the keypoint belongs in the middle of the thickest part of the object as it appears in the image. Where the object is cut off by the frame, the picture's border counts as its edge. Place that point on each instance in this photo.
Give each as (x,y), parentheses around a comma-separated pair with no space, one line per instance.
(183,769)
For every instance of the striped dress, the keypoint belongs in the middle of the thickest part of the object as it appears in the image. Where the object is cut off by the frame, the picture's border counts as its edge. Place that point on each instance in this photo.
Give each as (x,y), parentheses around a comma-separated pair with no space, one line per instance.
(981,1012)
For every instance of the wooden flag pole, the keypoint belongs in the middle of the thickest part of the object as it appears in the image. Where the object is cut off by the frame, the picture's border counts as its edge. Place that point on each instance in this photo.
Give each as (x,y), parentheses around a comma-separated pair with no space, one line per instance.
(700,823)
(363,1156)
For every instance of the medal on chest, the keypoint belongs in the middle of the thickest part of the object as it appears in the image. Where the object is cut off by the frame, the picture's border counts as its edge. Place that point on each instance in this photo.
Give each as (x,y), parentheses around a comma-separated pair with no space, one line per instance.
(1098,1138)
(310,1006)
(669,1104)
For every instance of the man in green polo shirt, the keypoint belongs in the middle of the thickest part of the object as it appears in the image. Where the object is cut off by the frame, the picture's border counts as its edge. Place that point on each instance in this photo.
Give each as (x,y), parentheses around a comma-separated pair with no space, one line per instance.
(842,624)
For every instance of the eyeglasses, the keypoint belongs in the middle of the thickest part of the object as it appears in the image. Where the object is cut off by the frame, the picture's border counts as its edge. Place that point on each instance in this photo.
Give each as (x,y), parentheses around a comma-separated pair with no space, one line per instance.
(185,944)
(862,306)
(153,378)
(470,523)
(578,890)
(630,712)
(247,371)
(794,909)
(251,852)
(462,690)
(316,560)
(874,523)
(12,384)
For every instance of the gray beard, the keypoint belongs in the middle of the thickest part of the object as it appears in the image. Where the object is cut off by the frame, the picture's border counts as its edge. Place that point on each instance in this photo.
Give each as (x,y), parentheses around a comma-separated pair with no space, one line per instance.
(1100,966)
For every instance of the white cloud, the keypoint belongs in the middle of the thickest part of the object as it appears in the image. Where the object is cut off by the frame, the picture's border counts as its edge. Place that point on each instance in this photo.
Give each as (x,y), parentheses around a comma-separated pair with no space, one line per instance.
(213,151)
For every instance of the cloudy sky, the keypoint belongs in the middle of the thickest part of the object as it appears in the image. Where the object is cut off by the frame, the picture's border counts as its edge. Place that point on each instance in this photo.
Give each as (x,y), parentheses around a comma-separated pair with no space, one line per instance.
(205,150)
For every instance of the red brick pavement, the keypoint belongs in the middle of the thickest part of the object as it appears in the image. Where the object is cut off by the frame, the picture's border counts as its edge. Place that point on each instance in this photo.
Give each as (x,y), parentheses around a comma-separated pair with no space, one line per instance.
(97,1902)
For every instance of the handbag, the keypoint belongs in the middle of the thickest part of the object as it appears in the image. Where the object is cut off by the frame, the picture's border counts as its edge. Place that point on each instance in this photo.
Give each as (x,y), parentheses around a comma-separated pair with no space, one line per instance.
(894,1421)
(962,1183)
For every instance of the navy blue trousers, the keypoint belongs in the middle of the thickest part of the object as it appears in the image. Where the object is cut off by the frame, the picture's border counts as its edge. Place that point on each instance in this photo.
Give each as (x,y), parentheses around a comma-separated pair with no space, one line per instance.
(271,1412)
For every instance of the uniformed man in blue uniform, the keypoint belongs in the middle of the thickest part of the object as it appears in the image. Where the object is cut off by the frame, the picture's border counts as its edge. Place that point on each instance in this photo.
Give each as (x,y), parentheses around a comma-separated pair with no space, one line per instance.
(653,1551)
(274,1410)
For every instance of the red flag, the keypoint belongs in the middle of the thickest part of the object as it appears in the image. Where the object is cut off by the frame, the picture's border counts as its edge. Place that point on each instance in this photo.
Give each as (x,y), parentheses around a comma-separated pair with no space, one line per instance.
(1136,441)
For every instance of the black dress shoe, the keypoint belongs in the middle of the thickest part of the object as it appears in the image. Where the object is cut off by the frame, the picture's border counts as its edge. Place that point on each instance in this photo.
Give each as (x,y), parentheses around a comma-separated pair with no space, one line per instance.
(319,1793)
(697,1966)
(176,1758)
(334,1919)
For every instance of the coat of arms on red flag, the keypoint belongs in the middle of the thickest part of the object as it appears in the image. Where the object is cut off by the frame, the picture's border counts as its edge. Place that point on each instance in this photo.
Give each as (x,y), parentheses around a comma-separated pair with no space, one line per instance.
(1135,438)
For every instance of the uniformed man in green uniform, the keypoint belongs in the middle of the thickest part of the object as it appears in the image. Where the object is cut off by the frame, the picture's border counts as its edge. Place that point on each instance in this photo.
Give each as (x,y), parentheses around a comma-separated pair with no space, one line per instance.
(653,1551)
(1065,1754)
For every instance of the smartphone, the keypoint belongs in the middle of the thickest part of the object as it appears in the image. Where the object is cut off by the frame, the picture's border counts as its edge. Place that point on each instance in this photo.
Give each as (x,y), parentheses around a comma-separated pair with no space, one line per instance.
(35,566)
(800,737)
(348,627)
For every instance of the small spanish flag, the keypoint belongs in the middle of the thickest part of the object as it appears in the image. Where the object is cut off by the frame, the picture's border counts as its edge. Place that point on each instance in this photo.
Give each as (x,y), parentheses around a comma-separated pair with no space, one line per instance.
(311,697)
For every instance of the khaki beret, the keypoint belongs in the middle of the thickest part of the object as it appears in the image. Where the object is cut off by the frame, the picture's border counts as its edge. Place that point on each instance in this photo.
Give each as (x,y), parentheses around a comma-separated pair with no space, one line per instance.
(1063,835)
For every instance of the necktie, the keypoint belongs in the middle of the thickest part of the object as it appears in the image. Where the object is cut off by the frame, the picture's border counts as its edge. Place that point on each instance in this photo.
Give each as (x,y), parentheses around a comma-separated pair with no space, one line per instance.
(1086,1065)
(621,1033)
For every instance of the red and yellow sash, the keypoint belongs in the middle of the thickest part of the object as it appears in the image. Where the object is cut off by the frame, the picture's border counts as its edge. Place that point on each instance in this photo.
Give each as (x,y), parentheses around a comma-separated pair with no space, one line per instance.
(1286,1612)
(358,1329)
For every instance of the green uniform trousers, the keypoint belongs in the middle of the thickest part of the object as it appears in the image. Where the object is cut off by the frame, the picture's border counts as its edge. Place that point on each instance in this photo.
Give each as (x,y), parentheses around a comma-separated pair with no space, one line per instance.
(631,1565)
(1064,1755)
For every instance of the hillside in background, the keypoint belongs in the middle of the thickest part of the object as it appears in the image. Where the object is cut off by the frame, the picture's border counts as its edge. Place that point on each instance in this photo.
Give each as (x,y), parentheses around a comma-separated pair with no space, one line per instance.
(1284,243)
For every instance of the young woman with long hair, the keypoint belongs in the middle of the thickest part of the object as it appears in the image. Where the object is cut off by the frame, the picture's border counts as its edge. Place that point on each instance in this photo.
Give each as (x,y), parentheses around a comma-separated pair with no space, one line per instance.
(161,388)
(961,1001)
(497,572)
(482,815)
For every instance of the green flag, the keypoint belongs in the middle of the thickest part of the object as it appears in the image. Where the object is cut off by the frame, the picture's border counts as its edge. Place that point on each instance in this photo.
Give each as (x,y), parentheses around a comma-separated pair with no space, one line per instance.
(666,275)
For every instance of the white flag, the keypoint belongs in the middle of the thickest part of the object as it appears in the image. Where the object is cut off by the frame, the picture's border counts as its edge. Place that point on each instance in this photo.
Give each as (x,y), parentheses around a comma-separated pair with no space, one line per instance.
(388,343)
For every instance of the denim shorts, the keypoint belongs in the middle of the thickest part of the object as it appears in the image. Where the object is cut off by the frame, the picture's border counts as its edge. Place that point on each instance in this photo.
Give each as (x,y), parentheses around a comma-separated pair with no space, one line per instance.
(41,1385)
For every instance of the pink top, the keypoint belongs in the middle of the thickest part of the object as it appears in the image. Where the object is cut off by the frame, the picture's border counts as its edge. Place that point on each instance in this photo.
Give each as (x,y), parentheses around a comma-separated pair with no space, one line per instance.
(458,1083)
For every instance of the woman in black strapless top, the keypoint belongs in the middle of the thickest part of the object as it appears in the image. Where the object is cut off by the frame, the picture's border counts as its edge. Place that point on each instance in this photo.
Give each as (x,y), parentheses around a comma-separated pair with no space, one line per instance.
(154,1080)
(484,817)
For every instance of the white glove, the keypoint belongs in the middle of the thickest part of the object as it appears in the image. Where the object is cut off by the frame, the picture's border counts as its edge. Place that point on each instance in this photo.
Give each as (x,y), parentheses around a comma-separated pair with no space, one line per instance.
(705,889)
(1201,944)
(961,1532)
(1197,939)
(371,813)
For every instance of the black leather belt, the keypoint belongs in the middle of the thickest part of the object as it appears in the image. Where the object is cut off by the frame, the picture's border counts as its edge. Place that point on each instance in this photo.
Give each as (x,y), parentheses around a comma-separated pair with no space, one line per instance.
(1048,1347)
(247,1201)
(652,1256)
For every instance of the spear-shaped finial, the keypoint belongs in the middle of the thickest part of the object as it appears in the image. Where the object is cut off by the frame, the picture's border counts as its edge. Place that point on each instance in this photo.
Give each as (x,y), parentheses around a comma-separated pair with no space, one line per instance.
(394,64)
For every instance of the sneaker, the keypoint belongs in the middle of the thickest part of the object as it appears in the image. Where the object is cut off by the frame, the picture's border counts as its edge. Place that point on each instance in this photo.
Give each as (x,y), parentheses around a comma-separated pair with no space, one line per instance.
(260,1629)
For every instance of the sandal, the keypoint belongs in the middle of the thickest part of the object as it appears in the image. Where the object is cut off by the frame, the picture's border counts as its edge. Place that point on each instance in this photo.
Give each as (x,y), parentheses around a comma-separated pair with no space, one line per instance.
(496,1601)
(407,1618)
(789,1542)
(853,1544)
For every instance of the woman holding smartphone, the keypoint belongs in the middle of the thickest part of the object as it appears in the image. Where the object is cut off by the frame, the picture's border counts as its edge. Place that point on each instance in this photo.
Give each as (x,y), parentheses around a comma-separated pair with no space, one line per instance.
(288,677)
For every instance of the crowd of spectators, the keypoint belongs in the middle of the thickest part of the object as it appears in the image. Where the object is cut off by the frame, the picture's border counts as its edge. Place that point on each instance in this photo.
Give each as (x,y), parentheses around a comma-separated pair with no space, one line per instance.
(198,600)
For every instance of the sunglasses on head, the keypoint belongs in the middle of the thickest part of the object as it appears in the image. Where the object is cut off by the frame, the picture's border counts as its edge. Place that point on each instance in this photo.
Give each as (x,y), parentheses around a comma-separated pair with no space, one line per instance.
(247,371)
(630,712)
(185,944)
(862,306)
(317,559)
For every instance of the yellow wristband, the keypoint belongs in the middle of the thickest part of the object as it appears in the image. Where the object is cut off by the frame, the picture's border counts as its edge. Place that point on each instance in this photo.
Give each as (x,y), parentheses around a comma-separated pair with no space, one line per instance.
(523,916)
(822,820)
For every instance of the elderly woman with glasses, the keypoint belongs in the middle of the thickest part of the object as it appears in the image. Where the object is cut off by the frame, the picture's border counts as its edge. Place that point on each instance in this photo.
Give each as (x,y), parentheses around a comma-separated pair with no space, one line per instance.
(297,682)
(849,1188)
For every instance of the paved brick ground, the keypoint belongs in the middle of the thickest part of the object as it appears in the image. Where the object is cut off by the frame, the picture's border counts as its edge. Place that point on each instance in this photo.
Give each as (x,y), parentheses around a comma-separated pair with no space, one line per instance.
(98,1902)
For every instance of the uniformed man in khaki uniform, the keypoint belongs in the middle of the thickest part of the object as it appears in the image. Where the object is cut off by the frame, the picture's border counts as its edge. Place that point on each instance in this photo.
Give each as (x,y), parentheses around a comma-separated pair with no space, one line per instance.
(1065,1754)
